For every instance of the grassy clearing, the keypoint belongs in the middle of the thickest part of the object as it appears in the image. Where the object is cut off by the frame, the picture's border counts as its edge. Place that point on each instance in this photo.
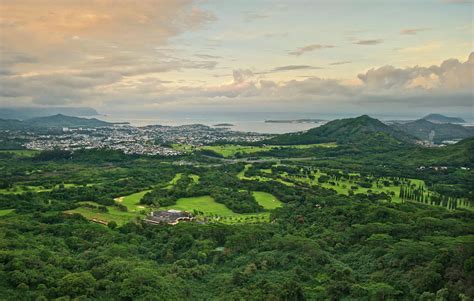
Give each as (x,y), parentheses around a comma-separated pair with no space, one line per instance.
(178,176)
(214,211)
(195,178)
(174,181)
(184,147)
(343,186)
(241,176)
(4,212)
(91,211)
(204,204)
(232,150)
(113,214)
(21,152)
(17,189)
(209,209)
(266,200)
(132,201)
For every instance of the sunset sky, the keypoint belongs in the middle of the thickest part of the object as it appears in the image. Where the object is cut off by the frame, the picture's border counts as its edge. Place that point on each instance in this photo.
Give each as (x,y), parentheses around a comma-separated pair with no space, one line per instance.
(182,55)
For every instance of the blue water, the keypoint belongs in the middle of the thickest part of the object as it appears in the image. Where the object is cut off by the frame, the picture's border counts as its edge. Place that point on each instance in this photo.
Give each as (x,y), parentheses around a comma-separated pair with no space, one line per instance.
(247,122)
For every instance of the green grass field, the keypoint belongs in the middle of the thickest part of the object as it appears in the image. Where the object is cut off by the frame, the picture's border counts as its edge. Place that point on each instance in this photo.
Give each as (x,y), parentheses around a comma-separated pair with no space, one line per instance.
(344,186)
(4,212)
(219,212)
(231,150)
(178,176)
(21,152)
(241,176)
(176,179)
(113,214)
(17,189)
(204,204)
(207,205)
(266,200)
(132,201)
(195,178)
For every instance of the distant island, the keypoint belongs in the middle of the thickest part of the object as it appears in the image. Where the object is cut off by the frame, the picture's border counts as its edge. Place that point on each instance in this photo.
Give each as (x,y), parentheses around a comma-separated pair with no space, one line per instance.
(55,121)
(33,112)
(438,118)
(223,124)
(295,121)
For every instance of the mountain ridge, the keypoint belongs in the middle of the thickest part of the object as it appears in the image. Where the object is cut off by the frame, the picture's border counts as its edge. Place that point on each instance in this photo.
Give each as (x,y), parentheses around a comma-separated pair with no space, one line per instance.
(33,112)
(54,121)
(439,118)
(360,130)
(423,129)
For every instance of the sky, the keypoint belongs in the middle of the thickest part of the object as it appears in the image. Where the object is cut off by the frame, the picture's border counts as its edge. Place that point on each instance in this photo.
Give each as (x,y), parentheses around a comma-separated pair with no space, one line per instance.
(154,56)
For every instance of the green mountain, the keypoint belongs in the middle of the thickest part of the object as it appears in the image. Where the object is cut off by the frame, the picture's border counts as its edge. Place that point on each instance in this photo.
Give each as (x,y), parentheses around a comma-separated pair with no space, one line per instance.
(11,124)
(55,121)
(33,112)
(59,120)
(362,130)
(422,129)
(438,118)
(459,154)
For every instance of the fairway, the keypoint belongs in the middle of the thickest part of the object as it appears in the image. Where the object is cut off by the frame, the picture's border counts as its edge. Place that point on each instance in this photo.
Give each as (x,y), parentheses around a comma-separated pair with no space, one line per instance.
(216,211)
(266,200)
(343,186)
(241,176)
(21,152)
(232,150)
(195,178)
(4,212)
(204,204)
(132,201)
(178,176)
(113,214)
(17,189)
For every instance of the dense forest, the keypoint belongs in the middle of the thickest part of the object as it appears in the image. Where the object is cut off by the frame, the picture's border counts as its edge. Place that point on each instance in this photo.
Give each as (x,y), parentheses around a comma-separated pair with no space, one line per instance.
(350,248)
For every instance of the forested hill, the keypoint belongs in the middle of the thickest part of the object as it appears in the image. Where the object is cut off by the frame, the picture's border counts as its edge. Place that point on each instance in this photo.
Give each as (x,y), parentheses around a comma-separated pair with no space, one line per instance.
(362,130)
(438,118)
(23,113)
(55,121)
(459,154)
(423,128)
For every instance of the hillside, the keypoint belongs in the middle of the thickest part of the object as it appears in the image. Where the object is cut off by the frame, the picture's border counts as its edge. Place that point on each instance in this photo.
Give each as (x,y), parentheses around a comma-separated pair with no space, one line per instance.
(60,120)
(459,154)
(55,121)
(11,124)
(422,129)
(362,130)
(438,118)
(27,113)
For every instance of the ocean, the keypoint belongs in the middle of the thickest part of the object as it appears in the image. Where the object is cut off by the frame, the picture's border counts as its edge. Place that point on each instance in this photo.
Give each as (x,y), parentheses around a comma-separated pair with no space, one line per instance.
(245,122)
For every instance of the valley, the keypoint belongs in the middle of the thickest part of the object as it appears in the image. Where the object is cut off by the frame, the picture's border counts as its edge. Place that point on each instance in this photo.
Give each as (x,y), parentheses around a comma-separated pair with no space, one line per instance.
(335,197)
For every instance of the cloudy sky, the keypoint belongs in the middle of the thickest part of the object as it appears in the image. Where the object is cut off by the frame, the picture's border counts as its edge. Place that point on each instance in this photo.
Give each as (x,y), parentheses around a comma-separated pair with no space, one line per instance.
(226,55)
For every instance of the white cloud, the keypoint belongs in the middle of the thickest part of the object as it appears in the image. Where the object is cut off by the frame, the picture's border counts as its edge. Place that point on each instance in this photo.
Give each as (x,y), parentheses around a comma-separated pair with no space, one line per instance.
(309,48)
(449,75)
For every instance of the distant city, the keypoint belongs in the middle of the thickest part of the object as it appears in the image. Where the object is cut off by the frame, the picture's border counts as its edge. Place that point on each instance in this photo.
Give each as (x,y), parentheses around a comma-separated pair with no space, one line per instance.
(149,140)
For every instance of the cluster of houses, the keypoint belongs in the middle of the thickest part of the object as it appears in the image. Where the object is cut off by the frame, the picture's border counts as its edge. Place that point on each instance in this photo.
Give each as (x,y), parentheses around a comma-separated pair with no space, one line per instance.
(149,140)
(436,168)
